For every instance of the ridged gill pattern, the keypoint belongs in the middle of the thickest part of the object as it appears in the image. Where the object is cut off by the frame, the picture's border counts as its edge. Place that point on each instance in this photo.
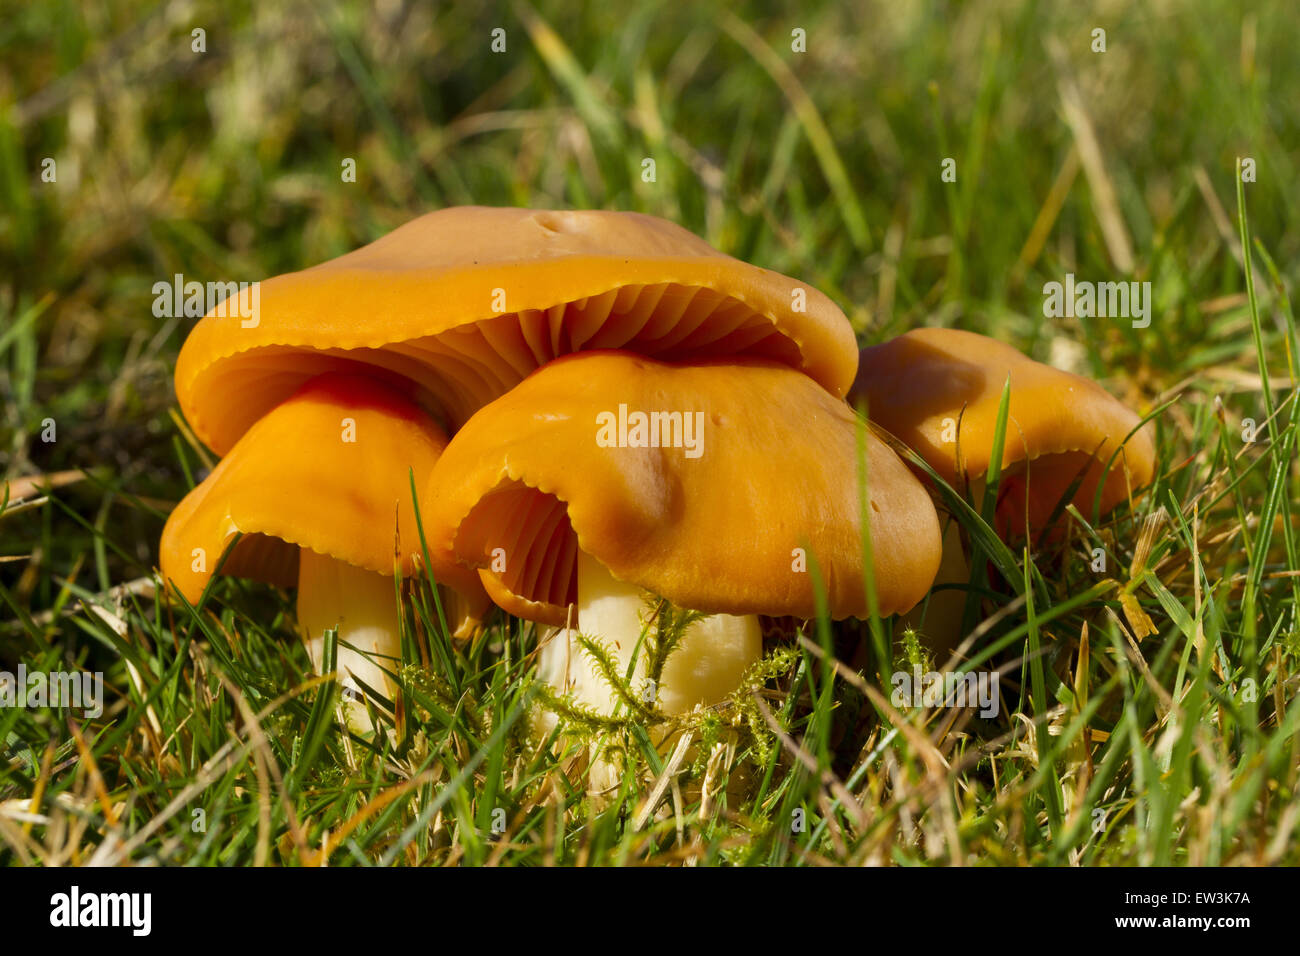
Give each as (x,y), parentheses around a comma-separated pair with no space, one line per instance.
(454,373)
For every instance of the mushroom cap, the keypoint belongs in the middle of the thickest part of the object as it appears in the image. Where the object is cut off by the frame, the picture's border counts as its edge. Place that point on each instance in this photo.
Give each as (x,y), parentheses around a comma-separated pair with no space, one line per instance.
(293,481)
(460,305)
(1055,420)
(526,482)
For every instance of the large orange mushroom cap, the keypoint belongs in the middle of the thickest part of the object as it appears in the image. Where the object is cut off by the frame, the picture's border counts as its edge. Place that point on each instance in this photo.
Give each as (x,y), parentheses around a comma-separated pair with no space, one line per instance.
(459,305)
(327,470)
(717,528)
(925,383)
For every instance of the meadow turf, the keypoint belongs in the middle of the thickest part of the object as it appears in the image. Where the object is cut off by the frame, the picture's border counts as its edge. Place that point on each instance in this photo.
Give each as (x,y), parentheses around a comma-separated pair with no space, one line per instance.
(1150,711)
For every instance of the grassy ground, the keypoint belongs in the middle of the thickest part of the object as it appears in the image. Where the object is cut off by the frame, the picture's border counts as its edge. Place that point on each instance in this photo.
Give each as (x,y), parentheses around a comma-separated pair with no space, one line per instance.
(1178,746)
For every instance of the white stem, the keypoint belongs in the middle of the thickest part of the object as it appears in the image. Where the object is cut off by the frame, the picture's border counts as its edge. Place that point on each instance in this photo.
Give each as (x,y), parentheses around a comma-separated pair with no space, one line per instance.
(363,606)
(702,670)
(939,621)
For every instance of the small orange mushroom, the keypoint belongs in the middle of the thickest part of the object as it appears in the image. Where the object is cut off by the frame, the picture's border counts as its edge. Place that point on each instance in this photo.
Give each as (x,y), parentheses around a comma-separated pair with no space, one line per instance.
(713,485)
(939,392)
(319,488)
(458,306)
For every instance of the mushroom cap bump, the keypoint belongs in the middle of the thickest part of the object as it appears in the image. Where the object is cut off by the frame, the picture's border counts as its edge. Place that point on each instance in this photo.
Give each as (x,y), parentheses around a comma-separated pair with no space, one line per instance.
(525,483)
(459,305)
(1056,420)
(295,480)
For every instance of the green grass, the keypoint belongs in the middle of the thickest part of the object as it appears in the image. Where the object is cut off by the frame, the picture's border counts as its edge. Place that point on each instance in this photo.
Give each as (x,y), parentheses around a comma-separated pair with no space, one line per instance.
(1178,746)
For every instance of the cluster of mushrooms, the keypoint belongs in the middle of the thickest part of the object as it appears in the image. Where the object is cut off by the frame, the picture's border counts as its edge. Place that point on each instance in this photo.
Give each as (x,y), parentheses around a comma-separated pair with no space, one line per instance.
(486,352)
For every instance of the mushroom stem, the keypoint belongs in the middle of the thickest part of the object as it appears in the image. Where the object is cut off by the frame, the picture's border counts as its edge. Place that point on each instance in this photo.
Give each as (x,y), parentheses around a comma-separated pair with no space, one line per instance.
(939,619)
(703,669)
(363,606)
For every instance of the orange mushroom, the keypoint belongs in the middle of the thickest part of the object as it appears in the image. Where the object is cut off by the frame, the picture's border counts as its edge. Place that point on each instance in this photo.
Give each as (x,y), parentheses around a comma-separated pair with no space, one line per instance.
(713,485)
(939,392)
(319,488)
(457,306)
